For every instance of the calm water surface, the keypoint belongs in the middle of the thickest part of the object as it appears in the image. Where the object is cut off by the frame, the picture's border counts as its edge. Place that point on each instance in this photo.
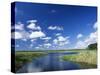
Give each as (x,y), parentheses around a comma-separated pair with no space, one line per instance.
(50,62)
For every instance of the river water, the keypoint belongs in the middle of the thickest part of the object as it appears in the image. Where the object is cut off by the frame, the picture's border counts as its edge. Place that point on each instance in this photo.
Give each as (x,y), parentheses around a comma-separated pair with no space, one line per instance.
(50,62)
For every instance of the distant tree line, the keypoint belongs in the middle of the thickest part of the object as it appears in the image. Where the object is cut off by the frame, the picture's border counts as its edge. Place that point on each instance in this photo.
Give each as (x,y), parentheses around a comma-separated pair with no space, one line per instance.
(92,46)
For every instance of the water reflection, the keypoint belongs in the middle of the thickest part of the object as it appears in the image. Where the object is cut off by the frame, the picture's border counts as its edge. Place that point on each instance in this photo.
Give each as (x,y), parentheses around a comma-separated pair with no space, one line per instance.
(50,62)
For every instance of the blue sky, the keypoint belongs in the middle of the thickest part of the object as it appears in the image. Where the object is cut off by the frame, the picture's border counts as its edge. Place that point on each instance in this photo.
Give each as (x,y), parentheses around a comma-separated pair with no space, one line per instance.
(49,26)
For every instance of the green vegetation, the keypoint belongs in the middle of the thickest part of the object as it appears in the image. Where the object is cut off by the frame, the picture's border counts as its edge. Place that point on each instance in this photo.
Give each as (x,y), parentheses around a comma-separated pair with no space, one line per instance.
(23,57)
(58,51)
(86,59)
(50,51)
(92,46)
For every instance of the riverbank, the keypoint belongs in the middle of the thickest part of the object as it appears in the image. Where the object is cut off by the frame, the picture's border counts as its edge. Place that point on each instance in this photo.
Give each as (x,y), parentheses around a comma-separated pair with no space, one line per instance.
(86,59)
(23,57)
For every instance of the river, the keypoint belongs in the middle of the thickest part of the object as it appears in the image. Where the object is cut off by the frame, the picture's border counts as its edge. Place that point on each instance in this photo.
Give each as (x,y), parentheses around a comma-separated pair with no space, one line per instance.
(50,62)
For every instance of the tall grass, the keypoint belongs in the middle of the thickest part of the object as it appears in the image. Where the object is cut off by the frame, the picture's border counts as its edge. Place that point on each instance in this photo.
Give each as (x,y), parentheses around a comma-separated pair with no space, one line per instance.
(24,57)
(86,59)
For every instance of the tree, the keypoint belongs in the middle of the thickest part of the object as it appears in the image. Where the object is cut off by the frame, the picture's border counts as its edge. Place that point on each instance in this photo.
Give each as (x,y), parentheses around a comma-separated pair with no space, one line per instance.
(92,46)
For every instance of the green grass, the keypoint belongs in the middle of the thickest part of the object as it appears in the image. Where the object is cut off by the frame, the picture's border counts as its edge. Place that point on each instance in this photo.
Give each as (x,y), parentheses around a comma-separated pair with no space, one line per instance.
(86,59)
(22,57)
(69,50)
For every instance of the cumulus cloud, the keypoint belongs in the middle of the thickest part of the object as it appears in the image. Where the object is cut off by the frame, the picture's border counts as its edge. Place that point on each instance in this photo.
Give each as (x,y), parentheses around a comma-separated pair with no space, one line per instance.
(37,47)
(36,34)
(47,45)
(92,38)
(61,41)
(79,36)
(55,28)
(55,41)
(33,25)
(40,45)
(23,35)
(38,28)
(24,39)
(18,26)
(46,38)
(32,40)
(80,44)
(16,35)
(19,32)
(61,38)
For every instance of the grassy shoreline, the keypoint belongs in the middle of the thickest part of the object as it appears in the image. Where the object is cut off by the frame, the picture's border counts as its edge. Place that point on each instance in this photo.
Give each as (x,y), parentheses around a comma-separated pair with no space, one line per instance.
(86,59)
(23,57)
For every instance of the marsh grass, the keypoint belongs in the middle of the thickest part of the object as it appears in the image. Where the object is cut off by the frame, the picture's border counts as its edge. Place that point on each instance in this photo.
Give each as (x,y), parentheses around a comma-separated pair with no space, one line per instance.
(23,57)
(86,59)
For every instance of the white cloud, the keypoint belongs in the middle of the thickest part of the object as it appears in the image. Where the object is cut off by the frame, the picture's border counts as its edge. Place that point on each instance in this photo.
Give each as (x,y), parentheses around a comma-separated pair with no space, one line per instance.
(95,25)
(51,28)
(61,41)
(23,35)
(58,34)
(55,28)
(16,35)
(18,26)
(55,41)
(46,38)
(47,45)
(38,28)
(54,46)
(32,40)
(37,34)
(92,38)
(24,39)
(33,25)
(61,38)
(79,36)
(80,45)
(31,21)
(37,47)
(59,28)
(40,45)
